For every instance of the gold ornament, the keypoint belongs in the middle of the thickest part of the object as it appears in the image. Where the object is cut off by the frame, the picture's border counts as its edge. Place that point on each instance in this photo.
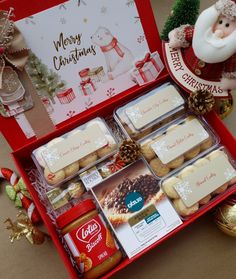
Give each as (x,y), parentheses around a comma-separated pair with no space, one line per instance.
(224,106)
(225,216)
(23,227)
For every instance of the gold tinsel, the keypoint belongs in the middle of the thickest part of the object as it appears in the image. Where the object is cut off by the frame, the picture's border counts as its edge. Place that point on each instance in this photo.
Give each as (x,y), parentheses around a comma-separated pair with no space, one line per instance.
(201,102)
(225,216)
(129,151)
(23,227)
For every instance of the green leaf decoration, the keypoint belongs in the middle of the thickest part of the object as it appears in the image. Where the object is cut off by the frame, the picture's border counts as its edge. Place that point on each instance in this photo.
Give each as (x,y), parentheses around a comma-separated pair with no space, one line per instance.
(18,202)
(10,192)
(21,184)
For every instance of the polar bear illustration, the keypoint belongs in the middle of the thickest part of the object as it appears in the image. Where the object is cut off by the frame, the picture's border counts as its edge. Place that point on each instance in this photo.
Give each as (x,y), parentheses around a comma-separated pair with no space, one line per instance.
(119,59)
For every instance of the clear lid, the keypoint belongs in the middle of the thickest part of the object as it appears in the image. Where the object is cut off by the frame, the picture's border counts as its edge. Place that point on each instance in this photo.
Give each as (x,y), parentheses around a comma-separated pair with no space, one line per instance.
(197,184)
(62,158)
(178,142)
(145,114)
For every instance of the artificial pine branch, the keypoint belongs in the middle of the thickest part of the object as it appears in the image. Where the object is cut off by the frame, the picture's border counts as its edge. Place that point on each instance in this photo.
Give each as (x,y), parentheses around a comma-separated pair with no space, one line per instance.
(46,81)
(183,12)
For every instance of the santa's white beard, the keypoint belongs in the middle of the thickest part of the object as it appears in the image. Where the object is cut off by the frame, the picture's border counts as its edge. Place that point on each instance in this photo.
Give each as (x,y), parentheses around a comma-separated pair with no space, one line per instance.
(206,45)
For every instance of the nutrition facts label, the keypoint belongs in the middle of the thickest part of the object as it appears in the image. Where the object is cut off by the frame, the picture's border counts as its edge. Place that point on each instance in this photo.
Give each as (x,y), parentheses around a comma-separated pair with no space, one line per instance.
(146,223)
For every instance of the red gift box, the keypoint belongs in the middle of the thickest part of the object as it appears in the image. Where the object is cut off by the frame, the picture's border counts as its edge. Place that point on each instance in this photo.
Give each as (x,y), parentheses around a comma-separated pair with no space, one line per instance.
(147,69)
(23,147)
(66,97)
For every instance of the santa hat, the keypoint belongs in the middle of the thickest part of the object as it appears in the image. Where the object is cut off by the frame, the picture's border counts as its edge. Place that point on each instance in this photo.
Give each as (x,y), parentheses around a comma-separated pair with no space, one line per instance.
(227,8)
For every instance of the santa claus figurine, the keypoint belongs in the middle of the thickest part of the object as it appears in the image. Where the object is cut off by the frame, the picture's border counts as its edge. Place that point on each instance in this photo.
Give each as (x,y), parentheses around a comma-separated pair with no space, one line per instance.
(204,56)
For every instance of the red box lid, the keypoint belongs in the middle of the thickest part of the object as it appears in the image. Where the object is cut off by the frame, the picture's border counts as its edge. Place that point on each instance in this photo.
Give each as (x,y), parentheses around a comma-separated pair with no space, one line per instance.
(9,126)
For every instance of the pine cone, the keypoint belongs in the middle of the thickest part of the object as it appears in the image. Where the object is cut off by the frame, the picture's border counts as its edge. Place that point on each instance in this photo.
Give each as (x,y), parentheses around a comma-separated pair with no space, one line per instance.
(129,151)
(201,101)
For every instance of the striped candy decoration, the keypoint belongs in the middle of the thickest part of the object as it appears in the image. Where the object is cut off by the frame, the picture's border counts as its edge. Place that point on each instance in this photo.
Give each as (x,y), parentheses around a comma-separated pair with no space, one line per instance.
(18,193)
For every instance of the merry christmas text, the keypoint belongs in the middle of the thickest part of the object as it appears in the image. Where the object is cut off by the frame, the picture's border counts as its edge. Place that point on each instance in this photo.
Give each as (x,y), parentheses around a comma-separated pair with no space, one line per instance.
(64,43)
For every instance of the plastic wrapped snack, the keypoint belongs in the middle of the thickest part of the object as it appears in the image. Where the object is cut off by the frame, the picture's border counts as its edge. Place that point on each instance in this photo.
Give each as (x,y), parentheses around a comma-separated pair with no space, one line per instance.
(62,158)
(60,196)
(197,184)
(151,111)
(180,141)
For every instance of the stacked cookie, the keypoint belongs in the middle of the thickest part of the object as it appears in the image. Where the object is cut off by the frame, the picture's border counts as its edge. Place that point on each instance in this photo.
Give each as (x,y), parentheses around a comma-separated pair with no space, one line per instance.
(155,143)
(146,109)
(91,158)
(169,184)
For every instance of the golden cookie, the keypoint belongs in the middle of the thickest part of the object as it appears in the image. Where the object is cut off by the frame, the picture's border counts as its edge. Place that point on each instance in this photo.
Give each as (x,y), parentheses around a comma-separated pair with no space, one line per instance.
(168,187)
(206,144)
(54,178)
(205,200)
(87,160)
(147,150)
(159,168)
(176,163)
(192,153)
(187,171)
(221,189)
(71,169)
(183,210)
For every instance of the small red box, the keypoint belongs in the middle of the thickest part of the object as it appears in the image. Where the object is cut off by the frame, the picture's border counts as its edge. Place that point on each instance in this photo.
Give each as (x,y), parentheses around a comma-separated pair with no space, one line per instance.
(23,147)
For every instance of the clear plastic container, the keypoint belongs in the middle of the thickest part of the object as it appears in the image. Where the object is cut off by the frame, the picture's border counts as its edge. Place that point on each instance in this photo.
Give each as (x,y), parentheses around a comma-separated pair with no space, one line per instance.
(61,196)
(172,146)
(151,111)
(62,158)
(194,186)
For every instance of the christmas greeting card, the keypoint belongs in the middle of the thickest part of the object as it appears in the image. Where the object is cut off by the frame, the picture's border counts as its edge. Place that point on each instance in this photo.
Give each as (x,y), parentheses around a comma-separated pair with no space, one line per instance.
(84,52)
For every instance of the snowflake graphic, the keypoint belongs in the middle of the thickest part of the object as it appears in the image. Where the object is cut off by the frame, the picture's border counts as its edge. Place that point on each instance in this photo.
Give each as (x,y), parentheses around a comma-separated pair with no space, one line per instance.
(51,156)
(100,142)
(159,146)
(71,113)
(177,101)
(183,188)
(135,114)
(63,20)
(62,6)
(29,20)
(229,173)
(130,3)
(203,135)
(103,10)
(111,92)
(141,39)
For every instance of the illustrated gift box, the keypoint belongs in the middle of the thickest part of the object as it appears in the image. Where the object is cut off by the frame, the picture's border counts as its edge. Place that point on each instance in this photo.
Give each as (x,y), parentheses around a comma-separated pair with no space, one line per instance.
(148,69)
(96,74)
(23,147)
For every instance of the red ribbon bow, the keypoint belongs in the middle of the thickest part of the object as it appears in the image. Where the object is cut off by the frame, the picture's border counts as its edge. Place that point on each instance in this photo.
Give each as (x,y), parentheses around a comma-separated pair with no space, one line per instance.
(139,64)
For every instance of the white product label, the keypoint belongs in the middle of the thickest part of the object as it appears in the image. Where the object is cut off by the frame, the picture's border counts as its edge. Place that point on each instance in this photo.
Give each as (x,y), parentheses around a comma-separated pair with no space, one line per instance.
(91,178)
(205,180)
(179,140)
(74,147)
(155,106)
